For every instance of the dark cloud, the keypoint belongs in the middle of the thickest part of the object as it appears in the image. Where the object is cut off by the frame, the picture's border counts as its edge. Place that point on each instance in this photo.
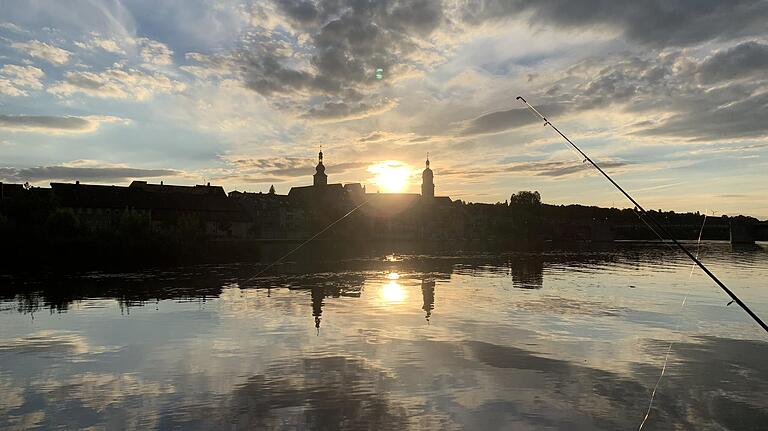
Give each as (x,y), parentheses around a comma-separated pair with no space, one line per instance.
(720,97)
(344,110)
(506,120)
(330,74)
(744,60)
(309,169)
(299,10)
(68,173)
(349,41)
(744,118)
(272,169)
(251,180)
(270,163)
(44,122)
(651,22)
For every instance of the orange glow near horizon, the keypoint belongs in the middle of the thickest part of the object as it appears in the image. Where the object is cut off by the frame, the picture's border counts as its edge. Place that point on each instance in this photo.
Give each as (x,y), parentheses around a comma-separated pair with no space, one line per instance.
(391,176)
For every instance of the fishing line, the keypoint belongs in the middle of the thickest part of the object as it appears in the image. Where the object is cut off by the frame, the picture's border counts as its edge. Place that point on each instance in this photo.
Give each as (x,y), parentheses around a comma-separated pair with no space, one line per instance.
(651,220)
(664,366)
(305,242)
(677,328)
(698,243)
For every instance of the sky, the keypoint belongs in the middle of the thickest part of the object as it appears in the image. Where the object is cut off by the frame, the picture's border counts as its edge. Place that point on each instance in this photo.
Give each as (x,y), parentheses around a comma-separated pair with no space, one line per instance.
(670,96)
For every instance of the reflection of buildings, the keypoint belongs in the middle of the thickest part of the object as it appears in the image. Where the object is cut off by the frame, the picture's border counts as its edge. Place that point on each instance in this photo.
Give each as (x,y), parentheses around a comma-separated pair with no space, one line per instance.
(318,294)
(346,286)
(428,295)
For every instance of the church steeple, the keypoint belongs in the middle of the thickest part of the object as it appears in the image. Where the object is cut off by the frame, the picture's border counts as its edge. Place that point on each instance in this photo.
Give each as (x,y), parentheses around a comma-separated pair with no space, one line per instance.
(427,181)
(320,178)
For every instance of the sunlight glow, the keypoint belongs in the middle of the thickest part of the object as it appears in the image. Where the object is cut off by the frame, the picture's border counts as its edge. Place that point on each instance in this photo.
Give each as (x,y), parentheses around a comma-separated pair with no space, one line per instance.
(392,293)
(392,176)
(393,276)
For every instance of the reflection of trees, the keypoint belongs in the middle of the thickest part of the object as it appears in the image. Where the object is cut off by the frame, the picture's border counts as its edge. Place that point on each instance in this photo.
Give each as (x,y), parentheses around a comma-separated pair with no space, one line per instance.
(130,290)
(527,271)
(328,278)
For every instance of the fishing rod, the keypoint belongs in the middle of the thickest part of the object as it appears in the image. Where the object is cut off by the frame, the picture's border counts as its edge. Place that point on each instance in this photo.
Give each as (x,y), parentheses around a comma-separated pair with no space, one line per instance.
(310,239)
(651,220)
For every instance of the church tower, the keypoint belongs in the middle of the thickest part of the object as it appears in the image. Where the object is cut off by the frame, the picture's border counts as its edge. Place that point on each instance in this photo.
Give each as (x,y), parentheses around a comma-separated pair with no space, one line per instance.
(427,182)
(321,179)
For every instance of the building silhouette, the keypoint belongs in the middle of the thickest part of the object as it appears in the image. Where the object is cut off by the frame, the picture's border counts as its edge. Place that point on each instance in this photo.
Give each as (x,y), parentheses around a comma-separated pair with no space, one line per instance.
(427,182)
(320,178)
(299,214)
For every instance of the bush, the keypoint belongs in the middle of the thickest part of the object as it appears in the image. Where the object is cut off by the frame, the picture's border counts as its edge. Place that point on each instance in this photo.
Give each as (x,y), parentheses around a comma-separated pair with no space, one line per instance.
(134,225)
(62,222)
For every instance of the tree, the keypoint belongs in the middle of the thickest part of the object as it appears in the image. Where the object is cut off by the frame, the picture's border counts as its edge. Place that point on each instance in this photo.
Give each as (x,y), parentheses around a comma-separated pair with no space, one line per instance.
(525,198)
(62,222)
(272,189)
(134,225)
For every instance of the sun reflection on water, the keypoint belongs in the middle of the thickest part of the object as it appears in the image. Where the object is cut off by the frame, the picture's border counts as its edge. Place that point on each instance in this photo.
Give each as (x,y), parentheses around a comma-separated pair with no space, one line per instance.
(392,292)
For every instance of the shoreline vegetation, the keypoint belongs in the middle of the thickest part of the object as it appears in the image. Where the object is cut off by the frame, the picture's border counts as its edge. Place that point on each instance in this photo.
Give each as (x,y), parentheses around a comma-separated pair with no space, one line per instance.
(40,233)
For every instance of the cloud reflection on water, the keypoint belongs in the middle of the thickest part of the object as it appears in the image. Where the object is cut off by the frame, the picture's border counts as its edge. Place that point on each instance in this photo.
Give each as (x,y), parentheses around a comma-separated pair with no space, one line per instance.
(579,352)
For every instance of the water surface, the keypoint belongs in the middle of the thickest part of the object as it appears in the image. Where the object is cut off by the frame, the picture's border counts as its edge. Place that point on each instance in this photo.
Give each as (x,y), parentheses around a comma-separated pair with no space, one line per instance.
(547,340)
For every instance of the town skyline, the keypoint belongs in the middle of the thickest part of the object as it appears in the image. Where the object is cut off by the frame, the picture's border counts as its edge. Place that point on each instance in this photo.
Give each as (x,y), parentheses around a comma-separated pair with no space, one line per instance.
(673,107)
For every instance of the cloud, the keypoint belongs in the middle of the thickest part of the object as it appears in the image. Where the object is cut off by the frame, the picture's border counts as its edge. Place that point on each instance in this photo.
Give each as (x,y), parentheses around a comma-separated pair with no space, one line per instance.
(81,173)
(657,23)
(97,42)
(341,111)
(501,121)
(12,27)
(301,171)
(42,50)
(116,83)
(8,89)
(331,50)
(54,124)
(154,53)
(209,66)
(552,169)
(290,167)
(740,119)
(14,79)
(718,97)
(741,61)
(245,162)
(250,179)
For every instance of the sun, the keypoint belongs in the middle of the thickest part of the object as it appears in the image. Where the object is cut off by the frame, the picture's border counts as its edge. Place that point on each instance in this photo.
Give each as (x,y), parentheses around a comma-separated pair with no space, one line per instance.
(391,175)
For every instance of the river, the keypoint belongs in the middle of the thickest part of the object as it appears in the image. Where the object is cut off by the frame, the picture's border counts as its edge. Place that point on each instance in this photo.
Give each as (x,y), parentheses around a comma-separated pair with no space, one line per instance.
(556,339)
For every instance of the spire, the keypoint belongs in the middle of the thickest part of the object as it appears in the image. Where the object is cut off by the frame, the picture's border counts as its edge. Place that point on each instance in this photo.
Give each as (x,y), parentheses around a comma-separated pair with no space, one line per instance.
(427,181)
(320,177)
